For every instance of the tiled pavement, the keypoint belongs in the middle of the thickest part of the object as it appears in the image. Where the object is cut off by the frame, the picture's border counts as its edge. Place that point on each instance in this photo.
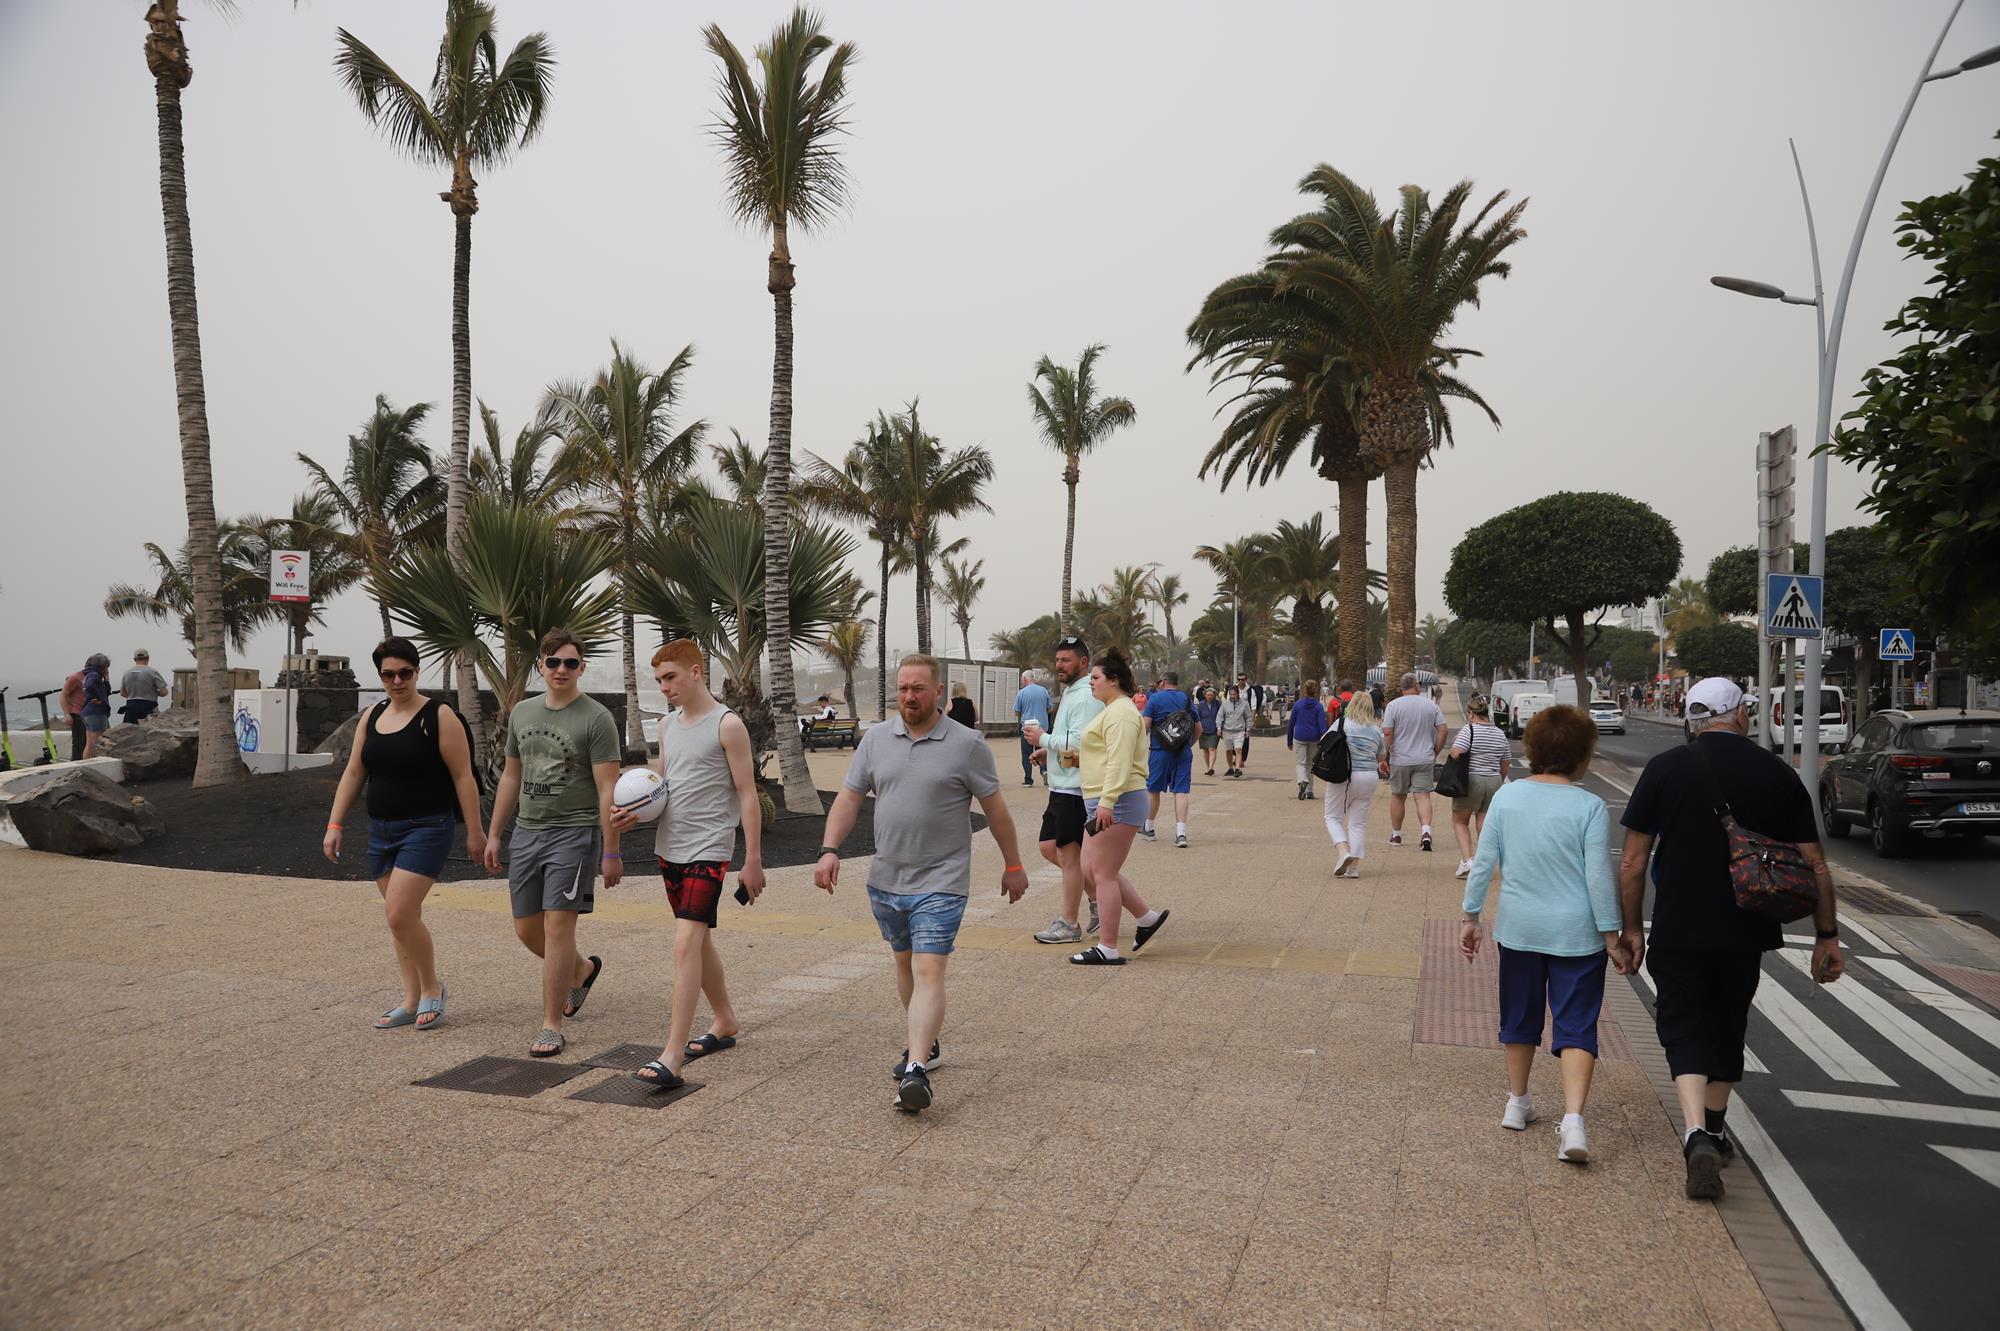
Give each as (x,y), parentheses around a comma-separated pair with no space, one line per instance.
(1238,1129)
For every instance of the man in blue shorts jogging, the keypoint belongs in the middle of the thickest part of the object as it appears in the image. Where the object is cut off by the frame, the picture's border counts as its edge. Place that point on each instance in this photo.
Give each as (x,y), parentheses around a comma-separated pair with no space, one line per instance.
(1171,721)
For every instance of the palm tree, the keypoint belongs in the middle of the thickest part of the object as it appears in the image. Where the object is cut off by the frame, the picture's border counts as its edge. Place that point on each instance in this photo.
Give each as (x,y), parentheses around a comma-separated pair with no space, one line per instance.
(387,493)
(850,492)
(962,585)
(525,574)
(619,441)
(246,602)
(167,59)
(1074,420)
(931,485)
(1115,613)
(1394,285)
(1303,561)
(1687,606)
(314,526)
(1167,592)
(1242,570)
(481,110)
(515,476)
(705,578)
(1031,645)
(844,645)
(778,129)
(1428,634)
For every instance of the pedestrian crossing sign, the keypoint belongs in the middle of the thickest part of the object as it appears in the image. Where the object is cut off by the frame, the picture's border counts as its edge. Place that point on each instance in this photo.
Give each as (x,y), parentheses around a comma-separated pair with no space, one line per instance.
(1794,605)
(1897,645)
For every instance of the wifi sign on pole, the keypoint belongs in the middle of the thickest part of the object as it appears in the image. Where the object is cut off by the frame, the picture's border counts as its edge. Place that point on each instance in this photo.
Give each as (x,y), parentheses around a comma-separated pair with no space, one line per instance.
(291,576)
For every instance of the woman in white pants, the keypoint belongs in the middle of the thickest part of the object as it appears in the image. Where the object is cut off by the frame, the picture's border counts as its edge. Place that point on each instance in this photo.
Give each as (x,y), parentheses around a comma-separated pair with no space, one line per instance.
(1347,802)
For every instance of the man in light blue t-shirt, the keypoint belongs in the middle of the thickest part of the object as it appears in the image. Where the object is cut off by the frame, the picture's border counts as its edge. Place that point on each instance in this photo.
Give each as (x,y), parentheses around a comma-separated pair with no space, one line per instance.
(1032,703)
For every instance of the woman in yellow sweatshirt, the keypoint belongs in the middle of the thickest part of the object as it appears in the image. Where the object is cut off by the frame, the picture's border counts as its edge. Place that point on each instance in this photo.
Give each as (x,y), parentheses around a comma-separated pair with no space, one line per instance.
(1113,757)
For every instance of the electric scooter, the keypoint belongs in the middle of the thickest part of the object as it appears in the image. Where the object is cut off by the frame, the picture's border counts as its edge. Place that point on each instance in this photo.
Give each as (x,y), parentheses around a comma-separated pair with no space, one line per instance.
(48,753)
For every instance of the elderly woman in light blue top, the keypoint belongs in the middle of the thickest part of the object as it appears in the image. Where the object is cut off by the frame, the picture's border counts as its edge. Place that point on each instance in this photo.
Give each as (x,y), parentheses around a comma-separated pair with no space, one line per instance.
(1558,916)
(1347,802)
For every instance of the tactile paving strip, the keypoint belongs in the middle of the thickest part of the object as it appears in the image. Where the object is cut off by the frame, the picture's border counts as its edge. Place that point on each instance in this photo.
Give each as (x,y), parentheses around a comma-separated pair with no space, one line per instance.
(518,1077)
(623,1090)
(1875,901)
(624,1057)
(1458,1002)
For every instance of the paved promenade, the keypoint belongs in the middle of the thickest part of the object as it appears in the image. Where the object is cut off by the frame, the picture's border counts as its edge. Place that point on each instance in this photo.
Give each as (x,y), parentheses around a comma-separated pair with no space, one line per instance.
(1280,1114)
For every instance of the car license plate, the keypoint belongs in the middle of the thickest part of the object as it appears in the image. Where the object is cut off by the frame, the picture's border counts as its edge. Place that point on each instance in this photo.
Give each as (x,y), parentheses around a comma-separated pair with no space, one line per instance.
(1988,806)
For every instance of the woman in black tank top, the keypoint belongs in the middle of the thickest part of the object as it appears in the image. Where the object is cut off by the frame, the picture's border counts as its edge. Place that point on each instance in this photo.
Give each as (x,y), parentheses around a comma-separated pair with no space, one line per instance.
(416,759)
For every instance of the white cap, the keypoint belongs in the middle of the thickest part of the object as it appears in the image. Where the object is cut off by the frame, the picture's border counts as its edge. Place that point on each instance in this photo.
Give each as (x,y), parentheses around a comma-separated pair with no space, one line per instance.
(1714,697)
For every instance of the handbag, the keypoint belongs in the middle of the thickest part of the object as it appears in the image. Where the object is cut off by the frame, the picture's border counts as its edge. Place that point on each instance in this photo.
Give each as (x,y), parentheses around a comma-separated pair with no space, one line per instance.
(1332,762)
(1771,878)
(1453,776)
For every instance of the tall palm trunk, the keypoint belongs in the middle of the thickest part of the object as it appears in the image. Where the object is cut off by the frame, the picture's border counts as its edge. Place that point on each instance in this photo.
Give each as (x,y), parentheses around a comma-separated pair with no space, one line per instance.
(847,689)
(923,595)
(1069,543)
(965,638)
(458,481)
(800,795)
(635,728)
(1399,486)
(217,760)
(1352,658)
(383,606)
(882,643)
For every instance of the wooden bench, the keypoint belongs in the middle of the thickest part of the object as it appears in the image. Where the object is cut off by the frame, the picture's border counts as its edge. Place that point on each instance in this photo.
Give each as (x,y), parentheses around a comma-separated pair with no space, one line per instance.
(833,734)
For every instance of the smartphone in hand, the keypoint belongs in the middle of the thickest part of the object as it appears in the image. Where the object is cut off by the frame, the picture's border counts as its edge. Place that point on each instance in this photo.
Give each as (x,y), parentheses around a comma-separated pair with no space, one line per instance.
(742,895)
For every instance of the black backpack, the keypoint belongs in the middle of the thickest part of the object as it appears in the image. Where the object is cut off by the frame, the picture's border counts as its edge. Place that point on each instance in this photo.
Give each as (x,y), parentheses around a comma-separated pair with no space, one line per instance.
(1175,731)
(1332,762)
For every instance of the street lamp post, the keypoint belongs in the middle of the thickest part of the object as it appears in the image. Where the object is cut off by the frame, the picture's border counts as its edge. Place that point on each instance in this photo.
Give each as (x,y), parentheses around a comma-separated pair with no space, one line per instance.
(1830,330)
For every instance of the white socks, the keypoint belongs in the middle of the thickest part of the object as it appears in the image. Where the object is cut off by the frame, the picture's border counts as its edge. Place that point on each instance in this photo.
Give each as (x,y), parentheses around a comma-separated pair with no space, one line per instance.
(1180,829)
(1427,829)
(1148,920)
(1149,824)
(1525,1101)
(1572,1119)
(1111,952)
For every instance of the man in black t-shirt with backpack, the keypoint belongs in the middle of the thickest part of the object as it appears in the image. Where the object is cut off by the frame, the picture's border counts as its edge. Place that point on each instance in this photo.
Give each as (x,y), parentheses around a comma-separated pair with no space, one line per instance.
(1706,953)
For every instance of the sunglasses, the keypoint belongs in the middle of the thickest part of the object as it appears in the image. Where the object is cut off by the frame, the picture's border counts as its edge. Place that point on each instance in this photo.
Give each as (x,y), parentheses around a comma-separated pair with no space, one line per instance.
(562,662)
(398,676)
(1069,644)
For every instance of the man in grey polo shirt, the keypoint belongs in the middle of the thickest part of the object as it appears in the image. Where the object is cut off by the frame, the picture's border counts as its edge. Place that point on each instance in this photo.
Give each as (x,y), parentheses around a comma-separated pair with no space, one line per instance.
(924,770)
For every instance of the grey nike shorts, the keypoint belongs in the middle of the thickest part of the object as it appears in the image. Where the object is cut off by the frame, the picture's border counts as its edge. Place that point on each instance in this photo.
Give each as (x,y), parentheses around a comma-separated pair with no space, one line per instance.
(553,868)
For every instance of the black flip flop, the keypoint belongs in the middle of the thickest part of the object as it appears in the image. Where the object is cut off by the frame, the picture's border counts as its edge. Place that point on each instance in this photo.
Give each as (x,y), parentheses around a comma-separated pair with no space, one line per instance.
(1094,956)
(662,1081)
(1146,931)
(582,991)
(710,1043)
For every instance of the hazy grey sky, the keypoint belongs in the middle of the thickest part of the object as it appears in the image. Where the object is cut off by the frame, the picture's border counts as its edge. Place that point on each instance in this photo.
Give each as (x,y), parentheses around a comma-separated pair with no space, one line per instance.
(1028,178)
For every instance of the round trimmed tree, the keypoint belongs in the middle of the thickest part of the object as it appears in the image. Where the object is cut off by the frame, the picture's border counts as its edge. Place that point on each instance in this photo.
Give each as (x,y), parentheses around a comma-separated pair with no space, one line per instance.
(1559,560)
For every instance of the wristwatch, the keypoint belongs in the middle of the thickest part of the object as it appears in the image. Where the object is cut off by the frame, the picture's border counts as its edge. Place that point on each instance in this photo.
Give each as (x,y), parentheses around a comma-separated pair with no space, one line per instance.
(830,850)
(1826,933)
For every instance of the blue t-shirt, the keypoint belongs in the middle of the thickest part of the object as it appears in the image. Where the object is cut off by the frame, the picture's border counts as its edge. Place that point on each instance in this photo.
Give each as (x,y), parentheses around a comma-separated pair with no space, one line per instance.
(1033,701)
(1161,704)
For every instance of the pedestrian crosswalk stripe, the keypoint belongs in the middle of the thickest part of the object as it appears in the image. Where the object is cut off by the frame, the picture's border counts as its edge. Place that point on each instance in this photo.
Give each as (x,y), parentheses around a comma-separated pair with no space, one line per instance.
(1836,1057)
(1934,995)
(1907,1109)
(1864,933)
(1985,1164)
(1915,1040)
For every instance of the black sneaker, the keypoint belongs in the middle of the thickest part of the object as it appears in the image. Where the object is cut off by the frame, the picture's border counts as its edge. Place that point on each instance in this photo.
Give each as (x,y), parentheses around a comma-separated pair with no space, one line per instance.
(1724,1147)
(1425,844)
(913,1092)
(1704,1165)
(937,1057)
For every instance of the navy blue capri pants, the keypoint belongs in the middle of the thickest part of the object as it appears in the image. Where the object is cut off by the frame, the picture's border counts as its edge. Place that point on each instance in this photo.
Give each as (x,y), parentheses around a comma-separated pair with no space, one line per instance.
(1571,988)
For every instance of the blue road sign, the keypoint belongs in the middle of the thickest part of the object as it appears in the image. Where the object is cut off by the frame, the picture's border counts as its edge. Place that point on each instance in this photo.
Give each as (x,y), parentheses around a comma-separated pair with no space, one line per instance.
(1897,645)
(1796,604)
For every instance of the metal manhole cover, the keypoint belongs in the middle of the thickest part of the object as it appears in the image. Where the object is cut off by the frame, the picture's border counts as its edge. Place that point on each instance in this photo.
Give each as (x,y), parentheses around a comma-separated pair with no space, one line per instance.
(518,1077)
(1875,901)
(624,1057)
(623,1090)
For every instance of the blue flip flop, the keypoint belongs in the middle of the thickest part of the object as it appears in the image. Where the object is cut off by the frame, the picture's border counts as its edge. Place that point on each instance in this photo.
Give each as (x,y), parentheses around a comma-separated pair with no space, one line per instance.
(432,1005)
(394,1017)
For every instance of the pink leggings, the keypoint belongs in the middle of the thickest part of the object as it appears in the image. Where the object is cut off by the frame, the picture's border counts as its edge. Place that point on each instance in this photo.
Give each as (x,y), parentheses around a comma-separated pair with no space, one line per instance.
(1347,809)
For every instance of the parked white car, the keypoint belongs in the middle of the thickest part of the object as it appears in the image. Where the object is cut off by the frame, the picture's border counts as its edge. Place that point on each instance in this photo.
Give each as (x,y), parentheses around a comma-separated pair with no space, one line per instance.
(1609,716)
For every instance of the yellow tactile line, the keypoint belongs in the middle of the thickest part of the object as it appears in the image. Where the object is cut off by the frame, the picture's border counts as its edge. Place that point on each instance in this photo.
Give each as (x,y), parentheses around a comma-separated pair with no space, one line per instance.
(976,937)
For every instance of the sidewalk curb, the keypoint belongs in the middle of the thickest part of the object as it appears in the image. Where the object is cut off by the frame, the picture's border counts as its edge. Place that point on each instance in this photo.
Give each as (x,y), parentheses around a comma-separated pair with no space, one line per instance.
(1791,1282)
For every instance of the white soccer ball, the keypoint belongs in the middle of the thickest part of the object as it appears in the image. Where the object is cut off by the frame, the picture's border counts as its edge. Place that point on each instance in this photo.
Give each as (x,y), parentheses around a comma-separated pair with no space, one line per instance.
(641,793)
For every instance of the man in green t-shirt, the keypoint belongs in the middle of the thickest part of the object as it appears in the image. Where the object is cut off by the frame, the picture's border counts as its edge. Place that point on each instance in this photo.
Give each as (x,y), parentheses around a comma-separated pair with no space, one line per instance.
(562,763)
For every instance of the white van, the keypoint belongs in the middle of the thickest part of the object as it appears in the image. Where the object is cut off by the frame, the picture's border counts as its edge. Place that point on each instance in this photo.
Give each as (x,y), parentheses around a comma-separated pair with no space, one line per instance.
(1525,707)
(1502,696)
(1834,718)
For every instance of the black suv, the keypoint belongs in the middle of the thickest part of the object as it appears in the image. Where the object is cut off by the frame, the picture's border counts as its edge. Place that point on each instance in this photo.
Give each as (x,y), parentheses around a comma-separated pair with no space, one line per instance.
(1906,772)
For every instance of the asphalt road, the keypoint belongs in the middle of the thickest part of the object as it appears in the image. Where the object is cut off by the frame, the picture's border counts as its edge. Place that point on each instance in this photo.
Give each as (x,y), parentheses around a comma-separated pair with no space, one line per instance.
(1958,875)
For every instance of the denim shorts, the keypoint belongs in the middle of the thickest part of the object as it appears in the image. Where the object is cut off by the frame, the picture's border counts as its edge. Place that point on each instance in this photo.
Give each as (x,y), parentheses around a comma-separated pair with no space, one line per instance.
(414,845)
(1129,809)
(918,921)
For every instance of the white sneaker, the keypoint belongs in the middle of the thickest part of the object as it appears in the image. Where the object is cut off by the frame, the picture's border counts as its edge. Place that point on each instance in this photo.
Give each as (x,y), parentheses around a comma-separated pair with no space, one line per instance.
(1575,1146)
(1518,1116)
(1464,868)
(1346,862)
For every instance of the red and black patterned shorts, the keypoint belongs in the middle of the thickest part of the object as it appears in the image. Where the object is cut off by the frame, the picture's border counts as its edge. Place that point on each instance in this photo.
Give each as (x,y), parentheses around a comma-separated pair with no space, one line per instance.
(695,890)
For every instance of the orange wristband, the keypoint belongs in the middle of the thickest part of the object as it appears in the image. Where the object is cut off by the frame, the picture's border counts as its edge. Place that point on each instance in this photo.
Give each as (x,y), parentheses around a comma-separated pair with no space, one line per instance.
(1013,868)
